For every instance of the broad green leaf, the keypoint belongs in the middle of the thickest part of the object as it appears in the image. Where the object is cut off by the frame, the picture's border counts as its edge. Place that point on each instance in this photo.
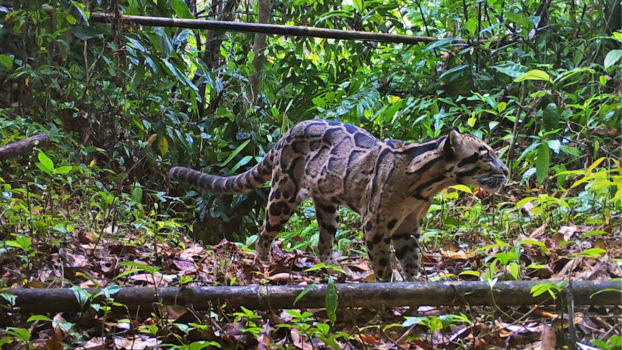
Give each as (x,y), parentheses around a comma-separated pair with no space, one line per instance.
(542,162)
(6,61)
(64,169)
(413,321)
(242,162)
(235,152)
(45,163)
(534,74)
(453,70)
(331,300)
(181,9)
(612,57)
(592,253)
(358,4)
(471,25)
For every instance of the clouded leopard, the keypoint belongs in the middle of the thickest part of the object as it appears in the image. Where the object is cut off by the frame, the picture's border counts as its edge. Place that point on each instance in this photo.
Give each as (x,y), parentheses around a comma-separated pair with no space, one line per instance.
(390,184)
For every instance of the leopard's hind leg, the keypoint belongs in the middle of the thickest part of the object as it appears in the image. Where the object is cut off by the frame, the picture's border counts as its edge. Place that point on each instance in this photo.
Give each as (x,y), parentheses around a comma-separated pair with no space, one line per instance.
(282,203)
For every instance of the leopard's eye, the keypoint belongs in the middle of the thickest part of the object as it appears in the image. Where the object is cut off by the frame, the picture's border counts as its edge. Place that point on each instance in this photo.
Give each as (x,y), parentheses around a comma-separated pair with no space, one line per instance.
(487,158)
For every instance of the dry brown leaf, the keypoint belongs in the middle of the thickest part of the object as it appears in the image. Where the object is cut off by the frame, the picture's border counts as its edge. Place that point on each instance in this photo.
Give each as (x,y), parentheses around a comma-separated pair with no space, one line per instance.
(174,312)
(185,265)
(77,260)
(95,343)
(549,339)
(568,231)
(281,277)
(299,341)
(35,284)
(192,251)
(459,255)
(136,343)
(155,279)
(369,339)
(538,232)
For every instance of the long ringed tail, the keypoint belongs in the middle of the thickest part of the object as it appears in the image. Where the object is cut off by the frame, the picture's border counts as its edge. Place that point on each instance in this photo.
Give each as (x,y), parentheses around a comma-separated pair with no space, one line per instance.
(252,179)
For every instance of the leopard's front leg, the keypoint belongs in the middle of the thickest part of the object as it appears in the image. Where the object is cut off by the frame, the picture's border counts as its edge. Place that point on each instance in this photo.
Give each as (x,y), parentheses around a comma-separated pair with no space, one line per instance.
(377,241)
(405,241)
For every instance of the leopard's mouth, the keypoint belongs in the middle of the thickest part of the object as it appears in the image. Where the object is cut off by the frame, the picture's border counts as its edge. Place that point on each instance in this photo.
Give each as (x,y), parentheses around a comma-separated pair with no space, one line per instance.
(493,182)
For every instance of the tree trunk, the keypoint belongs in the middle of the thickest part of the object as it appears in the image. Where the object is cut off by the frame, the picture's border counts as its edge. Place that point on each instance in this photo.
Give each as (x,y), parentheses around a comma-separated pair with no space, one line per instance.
(259,46)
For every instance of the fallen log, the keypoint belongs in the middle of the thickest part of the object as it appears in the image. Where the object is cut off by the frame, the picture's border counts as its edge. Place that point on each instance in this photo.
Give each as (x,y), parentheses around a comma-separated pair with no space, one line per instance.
(17,148)
(267,29)
(349,295)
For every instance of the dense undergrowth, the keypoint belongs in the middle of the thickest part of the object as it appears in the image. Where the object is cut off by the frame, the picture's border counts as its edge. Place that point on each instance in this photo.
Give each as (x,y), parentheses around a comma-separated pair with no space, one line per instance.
(540,81)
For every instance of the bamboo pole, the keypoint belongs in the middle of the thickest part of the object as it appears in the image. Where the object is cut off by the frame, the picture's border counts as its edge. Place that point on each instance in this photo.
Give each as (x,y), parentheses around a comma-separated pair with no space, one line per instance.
(15,149)
(349,295)
(267,29)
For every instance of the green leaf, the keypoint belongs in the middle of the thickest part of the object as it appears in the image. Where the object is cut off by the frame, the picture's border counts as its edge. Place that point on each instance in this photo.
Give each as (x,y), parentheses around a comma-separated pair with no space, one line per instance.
(6,61)
(612,57)
(534,74)
(45,163)
(63,169)
(137,194)
(591,253)
(304,292)
(471,25)
(235,152)
(462,188)
(359,5)
(331,300)
(453,70)
(38,318)
(542,162)
(241,163)
(413,321)
(181,9)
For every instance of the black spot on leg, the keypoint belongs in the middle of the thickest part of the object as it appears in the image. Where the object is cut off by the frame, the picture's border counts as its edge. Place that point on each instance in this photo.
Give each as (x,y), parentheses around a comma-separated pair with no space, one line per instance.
(383,262)
(377,238)
(274,210)
(314,145)
(285,194)
(368,226)
(277,194)
(275,179)
(329,209)
(400,236)
(370,247)
(391,224)
(400,253)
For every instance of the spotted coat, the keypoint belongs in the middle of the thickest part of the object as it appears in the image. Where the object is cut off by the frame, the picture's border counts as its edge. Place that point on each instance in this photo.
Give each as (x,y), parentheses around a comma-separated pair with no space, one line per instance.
(390,184)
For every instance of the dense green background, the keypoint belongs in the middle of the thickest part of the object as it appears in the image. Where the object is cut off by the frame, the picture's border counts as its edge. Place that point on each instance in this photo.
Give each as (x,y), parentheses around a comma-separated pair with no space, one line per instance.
(124,103)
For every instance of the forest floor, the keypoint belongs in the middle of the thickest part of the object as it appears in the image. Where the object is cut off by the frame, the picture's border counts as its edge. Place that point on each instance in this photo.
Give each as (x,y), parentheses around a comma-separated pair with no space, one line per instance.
(91,259)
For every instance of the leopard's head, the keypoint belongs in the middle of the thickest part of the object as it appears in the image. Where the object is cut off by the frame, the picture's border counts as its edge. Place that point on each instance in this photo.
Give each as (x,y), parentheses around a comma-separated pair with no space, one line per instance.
(474,162)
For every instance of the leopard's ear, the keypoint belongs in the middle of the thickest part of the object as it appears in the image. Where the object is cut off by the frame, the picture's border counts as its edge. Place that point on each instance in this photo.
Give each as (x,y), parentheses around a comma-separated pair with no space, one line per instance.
(453,140)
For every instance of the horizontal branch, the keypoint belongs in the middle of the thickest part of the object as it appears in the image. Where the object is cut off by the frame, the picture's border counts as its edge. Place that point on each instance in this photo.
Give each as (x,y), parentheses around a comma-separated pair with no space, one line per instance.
(15,149)
(266,29)
(350,295)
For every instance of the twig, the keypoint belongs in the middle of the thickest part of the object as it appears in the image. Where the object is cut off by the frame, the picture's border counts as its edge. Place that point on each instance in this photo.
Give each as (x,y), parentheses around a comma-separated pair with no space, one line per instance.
(572,332)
